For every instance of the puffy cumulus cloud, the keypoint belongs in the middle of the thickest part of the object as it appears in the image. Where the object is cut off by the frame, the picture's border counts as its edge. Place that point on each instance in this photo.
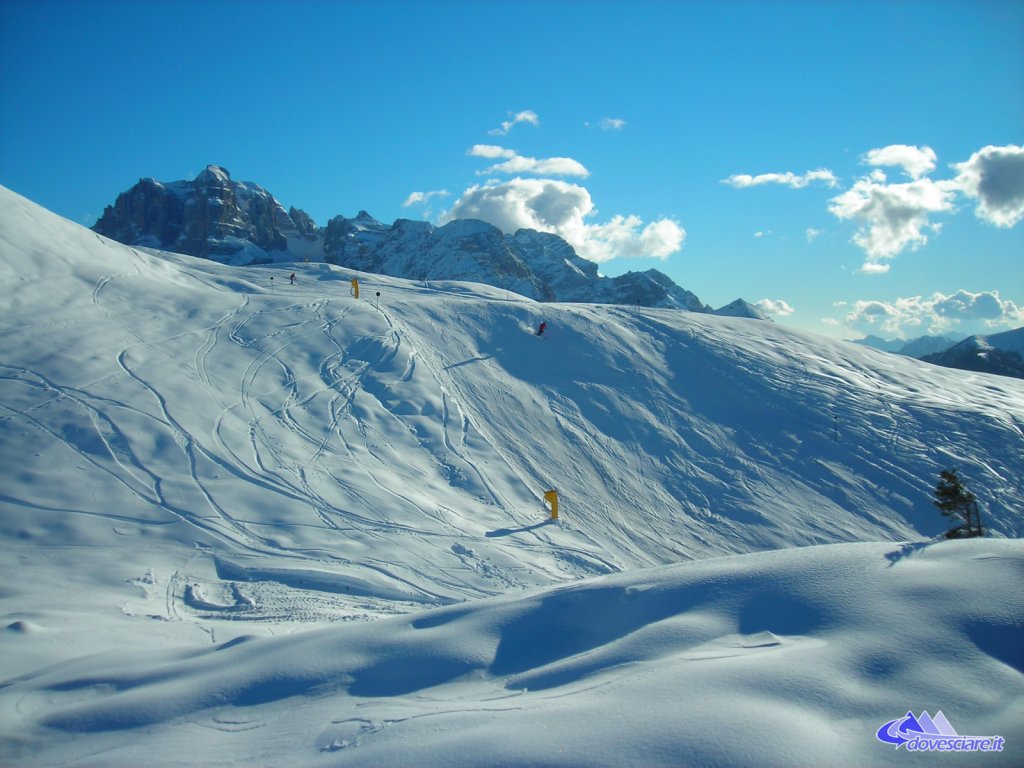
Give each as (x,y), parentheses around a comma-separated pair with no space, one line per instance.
(542,204)
(995,176)
(662,238)
(938,313)
(915,161)
(776,307)
(788,179)
(894,317)
(562,208)
(964,305)
(892,217)
(613,124)
(626,236)
(424,197)
(526,116)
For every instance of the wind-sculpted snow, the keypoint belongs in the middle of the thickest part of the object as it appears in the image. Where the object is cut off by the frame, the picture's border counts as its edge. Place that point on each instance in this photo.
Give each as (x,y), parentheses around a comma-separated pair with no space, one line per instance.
(787,658)
(191,453)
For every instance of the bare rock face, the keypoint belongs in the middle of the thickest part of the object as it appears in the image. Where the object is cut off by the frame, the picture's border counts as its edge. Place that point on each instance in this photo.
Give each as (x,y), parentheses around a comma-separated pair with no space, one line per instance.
(147,214)
(211,216)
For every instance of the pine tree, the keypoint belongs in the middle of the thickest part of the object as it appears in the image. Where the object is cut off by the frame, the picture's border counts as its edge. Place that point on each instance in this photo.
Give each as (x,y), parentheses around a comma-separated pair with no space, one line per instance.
(953,498)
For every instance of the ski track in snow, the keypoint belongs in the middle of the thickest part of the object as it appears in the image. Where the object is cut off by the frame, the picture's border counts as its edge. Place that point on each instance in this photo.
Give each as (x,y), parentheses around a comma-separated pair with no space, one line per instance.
(333,418)
(272,397)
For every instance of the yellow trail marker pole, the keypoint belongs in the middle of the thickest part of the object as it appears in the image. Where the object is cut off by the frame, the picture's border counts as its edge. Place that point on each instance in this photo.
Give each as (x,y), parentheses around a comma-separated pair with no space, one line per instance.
(355,288)
(552,498)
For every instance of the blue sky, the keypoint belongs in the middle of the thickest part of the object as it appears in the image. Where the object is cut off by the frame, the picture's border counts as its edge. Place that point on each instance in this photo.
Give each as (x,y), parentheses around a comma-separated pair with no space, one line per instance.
(856,166)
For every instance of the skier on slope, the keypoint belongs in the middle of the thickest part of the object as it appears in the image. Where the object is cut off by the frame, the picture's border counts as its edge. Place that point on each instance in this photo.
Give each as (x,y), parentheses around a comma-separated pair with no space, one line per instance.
(541,328)
(292,278)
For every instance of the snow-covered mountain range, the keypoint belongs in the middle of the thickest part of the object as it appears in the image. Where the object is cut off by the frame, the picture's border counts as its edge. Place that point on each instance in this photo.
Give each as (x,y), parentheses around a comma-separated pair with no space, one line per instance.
(917,347)
(249,522)
(216,217)
(998,353)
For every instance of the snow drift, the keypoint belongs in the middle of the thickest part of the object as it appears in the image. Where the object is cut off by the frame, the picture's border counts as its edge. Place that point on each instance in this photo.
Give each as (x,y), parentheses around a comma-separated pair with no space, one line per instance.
(786,658)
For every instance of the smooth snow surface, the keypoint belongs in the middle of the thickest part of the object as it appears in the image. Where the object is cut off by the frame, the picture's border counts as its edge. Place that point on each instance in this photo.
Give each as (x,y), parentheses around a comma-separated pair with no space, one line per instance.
(216,487)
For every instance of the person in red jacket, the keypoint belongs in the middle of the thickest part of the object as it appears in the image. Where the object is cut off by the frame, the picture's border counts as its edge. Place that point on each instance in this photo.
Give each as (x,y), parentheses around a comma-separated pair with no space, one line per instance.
(541,329)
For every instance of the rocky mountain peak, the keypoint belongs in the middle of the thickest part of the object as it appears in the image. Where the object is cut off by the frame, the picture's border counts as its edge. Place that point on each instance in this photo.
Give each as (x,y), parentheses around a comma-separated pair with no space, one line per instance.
(742,308)
(211,216)
(213,175)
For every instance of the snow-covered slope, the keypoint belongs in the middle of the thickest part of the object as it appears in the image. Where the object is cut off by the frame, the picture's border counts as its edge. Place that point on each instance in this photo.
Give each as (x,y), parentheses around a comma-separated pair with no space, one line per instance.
(788,658)
(191,453)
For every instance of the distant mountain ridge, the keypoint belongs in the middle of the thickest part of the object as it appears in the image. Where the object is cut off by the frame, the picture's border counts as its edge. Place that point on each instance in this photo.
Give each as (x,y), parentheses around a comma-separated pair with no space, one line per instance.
(741,308)
(240,223)
(998,353)
(919,347)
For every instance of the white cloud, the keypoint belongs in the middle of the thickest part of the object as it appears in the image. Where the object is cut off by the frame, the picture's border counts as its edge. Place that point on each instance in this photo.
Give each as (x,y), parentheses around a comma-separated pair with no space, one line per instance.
(788,179)
(516,163)
(892,217)
(547,166)
(613,124)
(526,116)
(549,205)
(490,151)
(813,234)
(995,176)
(542,204)
(964,305)
(936,313)
(424,197)
(915,161)
(776,307)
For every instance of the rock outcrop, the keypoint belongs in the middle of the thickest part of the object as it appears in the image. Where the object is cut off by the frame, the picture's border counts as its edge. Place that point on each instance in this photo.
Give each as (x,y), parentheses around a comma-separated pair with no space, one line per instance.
(211,216)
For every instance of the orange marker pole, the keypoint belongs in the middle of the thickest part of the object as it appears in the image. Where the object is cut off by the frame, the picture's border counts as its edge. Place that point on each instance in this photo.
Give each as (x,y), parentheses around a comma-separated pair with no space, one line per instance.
(552,497)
